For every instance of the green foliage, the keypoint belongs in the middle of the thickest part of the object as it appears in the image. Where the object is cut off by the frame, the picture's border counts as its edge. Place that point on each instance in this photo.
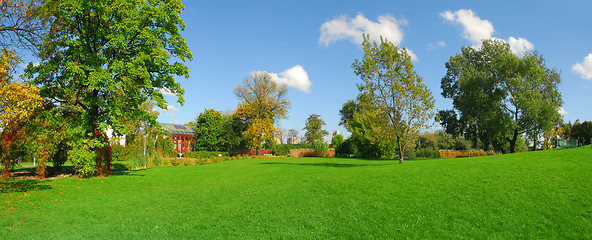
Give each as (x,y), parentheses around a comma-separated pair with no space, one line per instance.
(347,148)
(166,145)
(337,140)
(314,128)
(394,101)
(210,131)
(347,112)
(320,148)
(284,149)
(83,159)
(427,153)
(499,96)
(102,59)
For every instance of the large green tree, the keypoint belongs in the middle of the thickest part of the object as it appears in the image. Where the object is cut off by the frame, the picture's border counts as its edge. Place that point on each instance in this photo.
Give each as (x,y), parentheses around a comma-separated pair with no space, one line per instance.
(210,131)
(314,128)
(395,102)
(498,96)
(102,59)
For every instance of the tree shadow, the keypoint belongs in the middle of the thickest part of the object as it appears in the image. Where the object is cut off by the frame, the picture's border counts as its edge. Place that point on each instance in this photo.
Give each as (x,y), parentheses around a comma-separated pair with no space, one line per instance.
(11,185)
(336,165)
(135,173)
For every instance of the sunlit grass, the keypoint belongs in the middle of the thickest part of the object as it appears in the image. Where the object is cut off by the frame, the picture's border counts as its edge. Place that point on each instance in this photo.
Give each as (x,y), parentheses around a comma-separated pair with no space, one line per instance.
(544,194)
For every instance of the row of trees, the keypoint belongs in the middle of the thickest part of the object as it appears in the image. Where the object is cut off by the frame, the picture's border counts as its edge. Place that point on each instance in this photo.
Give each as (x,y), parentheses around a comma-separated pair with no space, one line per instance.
(498,98)
(263,103)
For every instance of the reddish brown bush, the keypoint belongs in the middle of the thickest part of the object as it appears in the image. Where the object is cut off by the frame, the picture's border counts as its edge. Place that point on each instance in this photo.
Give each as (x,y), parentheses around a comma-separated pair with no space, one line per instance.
(309,153)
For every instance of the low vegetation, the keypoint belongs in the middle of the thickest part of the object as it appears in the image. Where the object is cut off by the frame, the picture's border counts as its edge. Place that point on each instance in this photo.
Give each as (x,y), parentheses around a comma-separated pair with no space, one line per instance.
(543,194)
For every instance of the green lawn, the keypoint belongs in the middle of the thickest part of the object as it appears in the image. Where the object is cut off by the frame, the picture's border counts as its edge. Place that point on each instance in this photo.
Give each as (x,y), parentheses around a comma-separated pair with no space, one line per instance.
(545,194)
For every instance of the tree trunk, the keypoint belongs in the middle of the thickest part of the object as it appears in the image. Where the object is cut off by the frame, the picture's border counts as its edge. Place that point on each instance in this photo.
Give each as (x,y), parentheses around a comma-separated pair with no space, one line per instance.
(401,150)
(513,141)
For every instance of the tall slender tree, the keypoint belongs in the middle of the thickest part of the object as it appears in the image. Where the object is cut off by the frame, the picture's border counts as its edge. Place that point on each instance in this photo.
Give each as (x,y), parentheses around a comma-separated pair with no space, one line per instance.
(395,102)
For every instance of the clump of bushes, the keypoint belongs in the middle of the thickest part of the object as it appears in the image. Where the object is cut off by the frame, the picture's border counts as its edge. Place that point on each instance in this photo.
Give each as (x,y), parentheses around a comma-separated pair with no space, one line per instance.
(320,148)
(284,149)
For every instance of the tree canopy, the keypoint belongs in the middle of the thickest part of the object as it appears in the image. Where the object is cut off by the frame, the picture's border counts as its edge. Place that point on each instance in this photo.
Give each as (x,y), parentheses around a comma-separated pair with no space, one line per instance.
(314,128)
(394,101)
(263,102)
(102,59)
(210,128)
(498,96)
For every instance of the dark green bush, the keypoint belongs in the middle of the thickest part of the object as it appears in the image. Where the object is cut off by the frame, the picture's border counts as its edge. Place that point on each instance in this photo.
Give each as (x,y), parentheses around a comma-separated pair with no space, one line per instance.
(427,153)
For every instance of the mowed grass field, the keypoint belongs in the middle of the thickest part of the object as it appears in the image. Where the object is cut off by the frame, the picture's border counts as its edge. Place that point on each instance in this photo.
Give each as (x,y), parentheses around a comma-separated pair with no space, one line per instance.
(535,195)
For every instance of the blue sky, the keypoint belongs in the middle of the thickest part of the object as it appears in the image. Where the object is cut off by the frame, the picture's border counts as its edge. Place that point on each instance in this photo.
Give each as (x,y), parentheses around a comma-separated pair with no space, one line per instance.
(315,43)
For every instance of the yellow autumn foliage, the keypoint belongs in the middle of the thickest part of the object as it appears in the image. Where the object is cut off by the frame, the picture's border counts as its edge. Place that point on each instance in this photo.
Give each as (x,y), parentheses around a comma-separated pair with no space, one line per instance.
(18,99)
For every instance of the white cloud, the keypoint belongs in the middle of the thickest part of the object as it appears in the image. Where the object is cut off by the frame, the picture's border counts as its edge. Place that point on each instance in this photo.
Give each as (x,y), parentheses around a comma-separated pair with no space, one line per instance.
(439,44)
(294,77)
(211,102)
(166,91)
(170,108)
(584,69)
(476,29)
(344,27)
(520,45)
(562,111)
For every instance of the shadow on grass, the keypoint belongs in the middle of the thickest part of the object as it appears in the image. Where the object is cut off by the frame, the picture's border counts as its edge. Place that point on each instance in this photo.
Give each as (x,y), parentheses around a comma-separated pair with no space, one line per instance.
(10,185)
(336,165)
(135,173)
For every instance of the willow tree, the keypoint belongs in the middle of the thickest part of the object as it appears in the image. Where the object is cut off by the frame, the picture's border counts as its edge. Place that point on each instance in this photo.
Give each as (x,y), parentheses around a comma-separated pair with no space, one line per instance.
(263,102)
(395,102)
(102,59)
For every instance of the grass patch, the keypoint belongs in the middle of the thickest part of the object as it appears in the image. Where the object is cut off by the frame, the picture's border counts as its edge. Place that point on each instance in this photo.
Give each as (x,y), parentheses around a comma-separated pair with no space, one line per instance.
(544,194)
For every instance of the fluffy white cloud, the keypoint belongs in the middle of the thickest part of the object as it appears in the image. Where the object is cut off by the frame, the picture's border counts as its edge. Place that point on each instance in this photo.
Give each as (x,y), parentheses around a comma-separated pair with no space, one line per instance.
(562,111)
(294,77)
(520,45)
(211,102)
(584,69)
(344,27)
(476,29)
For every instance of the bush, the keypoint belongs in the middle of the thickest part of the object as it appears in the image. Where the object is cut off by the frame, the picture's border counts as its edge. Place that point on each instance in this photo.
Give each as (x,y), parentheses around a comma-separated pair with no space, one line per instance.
(205,154)
(462,154)
(427,153)
(284,149)
(320,148)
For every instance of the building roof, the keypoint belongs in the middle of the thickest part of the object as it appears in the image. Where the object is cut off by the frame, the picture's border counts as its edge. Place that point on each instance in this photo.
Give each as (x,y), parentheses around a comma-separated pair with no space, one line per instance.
(177,129)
